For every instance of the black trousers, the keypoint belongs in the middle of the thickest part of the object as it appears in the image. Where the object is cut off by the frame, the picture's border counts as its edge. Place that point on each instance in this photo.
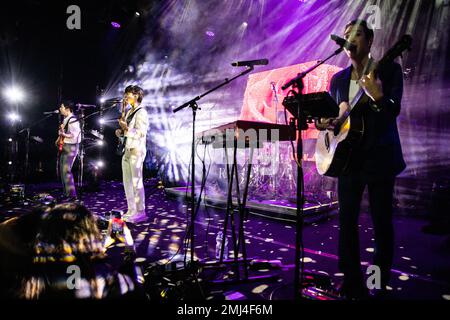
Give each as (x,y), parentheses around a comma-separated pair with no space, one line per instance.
(350,191)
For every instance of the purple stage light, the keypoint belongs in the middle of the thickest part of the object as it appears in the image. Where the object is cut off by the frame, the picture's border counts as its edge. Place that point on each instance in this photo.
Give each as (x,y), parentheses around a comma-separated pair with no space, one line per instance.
(210,33)
(115,24)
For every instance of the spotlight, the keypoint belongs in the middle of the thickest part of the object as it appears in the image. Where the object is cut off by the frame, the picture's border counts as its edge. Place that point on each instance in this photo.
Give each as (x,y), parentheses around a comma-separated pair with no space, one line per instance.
(14,94)
(100,142)
(244,24)
(210,33)
(10,162)
(10,139)
(102,100)
(130,69)
(137,14)
(100,164)
(13,117)
(115,24)
(101,121)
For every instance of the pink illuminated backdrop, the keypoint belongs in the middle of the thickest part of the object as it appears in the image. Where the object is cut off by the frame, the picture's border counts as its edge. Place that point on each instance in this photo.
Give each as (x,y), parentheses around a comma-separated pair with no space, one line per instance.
(263,94)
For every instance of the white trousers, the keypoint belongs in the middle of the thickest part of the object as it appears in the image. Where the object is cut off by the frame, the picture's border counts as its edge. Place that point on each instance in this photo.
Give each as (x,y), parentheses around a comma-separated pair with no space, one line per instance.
(132,165)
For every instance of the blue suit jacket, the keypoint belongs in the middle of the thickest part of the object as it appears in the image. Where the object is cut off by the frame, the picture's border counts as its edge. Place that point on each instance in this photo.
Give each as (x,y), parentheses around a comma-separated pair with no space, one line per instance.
(380,154)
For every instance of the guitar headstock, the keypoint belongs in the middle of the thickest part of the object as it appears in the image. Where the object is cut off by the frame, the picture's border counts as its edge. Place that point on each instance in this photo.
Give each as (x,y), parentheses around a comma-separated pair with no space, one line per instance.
(397,49)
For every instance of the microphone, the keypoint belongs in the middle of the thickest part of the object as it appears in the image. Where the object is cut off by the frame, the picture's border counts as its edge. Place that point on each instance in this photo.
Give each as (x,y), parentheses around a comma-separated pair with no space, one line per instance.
(113,100)
(342,42)
(250,63)
(80,105)
(51,112)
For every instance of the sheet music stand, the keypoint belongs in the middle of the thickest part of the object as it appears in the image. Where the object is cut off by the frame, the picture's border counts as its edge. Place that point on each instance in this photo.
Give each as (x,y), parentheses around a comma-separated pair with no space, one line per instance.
(305,108)
(313,105)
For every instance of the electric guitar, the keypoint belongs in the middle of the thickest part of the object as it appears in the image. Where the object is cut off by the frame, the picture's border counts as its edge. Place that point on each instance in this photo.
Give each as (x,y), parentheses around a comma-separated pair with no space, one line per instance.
(334,147)
(120,149)
(59,143)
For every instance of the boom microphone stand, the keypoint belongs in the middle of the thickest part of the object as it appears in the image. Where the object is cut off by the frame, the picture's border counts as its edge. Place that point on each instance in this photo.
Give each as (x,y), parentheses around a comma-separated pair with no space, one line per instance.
(301,124)
(193,105)
(81,153)
(27,142)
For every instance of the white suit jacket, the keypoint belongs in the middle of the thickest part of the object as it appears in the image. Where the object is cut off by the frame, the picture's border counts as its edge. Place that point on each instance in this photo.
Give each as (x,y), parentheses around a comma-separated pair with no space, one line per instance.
(137,130)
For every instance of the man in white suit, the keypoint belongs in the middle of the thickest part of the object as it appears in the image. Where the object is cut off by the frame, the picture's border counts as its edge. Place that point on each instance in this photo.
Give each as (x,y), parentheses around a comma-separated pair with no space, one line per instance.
(134,128)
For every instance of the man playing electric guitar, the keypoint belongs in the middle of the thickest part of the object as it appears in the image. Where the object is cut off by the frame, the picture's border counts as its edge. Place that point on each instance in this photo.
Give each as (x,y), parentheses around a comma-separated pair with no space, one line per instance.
(70,138)
(374,163)
(134,129)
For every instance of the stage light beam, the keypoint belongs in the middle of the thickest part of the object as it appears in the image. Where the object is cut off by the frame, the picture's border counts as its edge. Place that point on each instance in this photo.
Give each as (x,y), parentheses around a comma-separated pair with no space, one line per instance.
(14,94)
(13,117)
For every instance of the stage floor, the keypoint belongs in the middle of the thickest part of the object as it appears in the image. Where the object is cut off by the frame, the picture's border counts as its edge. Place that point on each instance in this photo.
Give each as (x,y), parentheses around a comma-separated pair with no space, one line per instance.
(283,210)
(421,264)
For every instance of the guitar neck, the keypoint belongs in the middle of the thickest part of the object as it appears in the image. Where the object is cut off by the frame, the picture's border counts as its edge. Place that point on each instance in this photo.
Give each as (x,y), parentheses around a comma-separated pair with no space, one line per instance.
(123,110)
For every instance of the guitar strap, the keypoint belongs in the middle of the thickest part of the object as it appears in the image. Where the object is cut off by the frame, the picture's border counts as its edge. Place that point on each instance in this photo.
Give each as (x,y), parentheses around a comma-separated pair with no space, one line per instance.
(66,126)
(130,117)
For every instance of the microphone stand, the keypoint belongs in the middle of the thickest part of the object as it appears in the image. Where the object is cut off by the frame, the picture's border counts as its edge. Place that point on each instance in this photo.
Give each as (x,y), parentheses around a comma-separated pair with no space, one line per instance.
(81,154)
(82,119)
(275,174)
(27,142)
(193,105)
(101,110)
(301,124)
(301,75)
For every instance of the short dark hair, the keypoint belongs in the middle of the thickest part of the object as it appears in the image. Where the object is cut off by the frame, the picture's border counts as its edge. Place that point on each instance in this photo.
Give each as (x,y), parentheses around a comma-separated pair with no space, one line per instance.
(361,23)
(135,90)
(68,104)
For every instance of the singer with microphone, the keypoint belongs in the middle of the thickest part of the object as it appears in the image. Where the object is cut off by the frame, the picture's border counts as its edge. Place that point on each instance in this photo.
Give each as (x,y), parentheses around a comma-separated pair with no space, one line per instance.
(133,128)
(374,163)
(68,145)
